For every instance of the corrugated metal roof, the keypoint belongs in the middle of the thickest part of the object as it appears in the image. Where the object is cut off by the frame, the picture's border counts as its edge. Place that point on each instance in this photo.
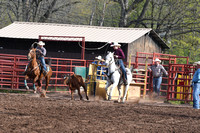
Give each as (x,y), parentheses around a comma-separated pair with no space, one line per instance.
(32,30)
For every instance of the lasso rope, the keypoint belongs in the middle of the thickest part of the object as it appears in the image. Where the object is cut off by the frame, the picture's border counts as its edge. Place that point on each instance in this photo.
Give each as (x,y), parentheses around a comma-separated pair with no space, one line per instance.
(93,48)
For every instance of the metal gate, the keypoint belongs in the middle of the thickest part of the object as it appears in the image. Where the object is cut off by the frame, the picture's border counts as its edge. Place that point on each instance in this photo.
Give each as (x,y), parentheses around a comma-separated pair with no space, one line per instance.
(12,67)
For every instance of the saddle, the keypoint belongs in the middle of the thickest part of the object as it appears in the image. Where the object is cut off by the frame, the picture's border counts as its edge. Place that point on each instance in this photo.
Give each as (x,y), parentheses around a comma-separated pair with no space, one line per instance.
(41,67)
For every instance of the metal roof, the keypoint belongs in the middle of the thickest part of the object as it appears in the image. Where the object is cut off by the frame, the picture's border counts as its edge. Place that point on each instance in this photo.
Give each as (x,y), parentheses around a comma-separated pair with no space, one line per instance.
(32,30)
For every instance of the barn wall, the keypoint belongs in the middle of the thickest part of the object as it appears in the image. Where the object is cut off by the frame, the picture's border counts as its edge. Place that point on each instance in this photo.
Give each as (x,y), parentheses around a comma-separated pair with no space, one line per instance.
(144,44)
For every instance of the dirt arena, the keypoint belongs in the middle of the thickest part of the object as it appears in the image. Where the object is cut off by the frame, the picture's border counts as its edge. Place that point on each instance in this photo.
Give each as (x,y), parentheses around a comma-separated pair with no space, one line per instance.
(27,113)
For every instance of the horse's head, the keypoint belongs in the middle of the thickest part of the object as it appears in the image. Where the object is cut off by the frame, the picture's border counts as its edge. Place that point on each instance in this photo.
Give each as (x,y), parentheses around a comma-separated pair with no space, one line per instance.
(31,54)
(109,58)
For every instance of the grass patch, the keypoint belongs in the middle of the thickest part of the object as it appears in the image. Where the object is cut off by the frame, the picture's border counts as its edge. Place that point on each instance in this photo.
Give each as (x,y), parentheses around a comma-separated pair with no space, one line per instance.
(15,91)
(179,102)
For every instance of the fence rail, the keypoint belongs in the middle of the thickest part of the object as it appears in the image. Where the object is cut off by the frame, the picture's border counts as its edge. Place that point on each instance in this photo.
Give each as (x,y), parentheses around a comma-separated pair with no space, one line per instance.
(12,67)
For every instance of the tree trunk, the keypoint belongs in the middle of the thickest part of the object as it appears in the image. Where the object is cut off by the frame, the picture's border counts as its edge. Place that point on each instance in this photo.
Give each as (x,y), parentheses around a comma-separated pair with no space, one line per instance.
(103,13)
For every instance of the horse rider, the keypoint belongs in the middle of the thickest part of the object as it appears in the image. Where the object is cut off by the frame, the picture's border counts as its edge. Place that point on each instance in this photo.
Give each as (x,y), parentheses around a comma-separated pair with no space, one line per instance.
(41,52)
(119,56)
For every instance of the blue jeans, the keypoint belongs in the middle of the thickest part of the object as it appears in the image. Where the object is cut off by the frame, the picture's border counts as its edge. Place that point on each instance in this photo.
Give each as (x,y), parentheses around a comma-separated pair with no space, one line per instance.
(121,63)
(196,87)
(43,63)
(156,85)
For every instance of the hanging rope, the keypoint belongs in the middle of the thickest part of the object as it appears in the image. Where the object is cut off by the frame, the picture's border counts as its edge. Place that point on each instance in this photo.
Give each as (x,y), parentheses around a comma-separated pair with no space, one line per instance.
(93,48)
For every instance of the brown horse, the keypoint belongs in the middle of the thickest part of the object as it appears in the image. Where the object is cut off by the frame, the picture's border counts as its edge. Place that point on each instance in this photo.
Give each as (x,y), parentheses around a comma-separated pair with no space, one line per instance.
(75,82)
(34,72)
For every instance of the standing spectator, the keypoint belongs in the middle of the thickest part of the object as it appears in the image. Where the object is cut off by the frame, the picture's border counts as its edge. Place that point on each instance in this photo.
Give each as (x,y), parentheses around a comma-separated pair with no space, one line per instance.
(196,86)
(100,70)
(157,70)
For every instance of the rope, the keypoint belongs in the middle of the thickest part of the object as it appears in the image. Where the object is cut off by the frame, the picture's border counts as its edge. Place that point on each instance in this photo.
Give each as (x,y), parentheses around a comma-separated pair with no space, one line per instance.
(93,48)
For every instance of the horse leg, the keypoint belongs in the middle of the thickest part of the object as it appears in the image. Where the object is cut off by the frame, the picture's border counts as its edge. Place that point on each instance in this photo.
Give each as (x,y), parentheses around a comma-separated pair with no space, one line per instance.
(79,93)
(72,94)
(129,79)
(34,88)
(85,89)
(125,93)
(106,88)
(111,90)
(47,84)
(119,90)
(25,82)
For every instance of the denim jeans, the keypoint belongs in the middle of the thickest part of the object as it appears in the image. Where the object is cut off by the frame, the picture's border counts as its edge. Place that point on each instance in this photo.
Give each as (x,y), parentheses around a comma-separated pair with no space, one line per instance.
(121,63)
(43,63)
(156,85)
(196,87)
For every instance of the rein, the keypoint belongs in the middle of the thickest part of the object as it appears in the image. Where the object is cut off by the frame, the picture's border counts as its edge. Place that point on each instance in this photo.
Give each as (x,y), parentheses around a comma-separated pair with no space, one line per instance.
(35,68)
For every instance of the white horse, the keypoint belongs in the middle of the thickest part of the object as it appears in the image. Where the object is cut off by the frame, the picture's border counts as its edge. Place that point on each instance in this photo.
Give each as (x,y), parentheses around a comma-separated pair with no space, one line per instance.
(114,77)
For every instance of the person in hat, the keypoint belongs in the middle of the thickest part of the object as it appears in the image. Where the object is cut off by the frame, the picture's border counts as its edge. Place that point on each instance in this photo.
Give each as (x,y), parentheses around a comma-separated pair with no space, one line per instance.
(119,55)
(196,86)
(41,52)
(157,71)
(99,68)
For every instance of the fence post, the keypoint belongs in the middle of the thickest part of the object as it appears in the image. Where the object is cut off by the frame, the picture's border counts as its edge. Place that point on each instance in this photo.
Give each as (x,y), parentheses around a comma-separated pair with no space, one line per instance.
(145,77)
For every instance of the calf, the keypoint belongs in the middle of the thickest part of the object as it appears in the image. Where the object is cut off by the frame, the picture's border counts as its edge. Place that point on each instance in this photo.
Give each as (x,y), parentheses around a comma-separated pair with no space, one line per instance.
(75,82)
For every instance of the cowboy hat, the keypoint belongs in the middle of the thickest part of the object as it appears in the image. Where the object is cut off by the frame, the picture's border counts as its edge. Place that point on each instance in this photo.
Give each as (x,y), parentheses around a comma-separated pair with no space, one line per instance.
(41,43)
(197,63)
(157,60)
(99,58)
(115,44)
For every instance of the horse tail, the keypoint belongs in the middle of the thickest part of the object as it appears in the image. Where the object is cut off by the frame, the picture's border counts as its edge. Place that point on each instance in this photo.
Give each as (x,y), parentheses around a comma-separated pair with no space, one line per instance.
(131,68)
(65,80)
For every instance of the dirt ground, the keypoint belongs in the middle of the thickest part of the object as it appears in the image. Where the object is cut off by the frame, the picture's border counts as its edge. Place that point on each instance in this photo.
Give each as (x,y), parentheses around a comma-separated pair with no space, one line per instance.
(28,113)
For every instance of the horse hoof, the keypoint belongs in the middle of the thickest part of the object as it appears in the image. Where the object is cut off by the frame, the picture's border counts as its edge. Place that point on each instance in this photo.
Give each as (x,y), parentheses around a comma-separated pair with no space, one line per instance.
(123,101)
(42,95)
(27,88)
(109,98)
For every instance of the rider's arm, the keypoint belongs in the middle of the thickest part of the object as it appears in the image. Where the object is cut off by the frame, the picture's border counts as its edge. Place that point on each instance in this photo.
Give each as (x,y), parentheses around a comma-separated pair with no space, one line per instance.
(121,54)
(42,51)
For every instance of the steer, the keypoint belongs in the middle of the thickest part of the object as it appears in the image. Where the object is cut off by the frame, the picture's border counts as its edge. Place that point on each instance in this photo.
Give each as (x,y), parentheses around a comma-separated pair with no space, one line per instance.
(75,82)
